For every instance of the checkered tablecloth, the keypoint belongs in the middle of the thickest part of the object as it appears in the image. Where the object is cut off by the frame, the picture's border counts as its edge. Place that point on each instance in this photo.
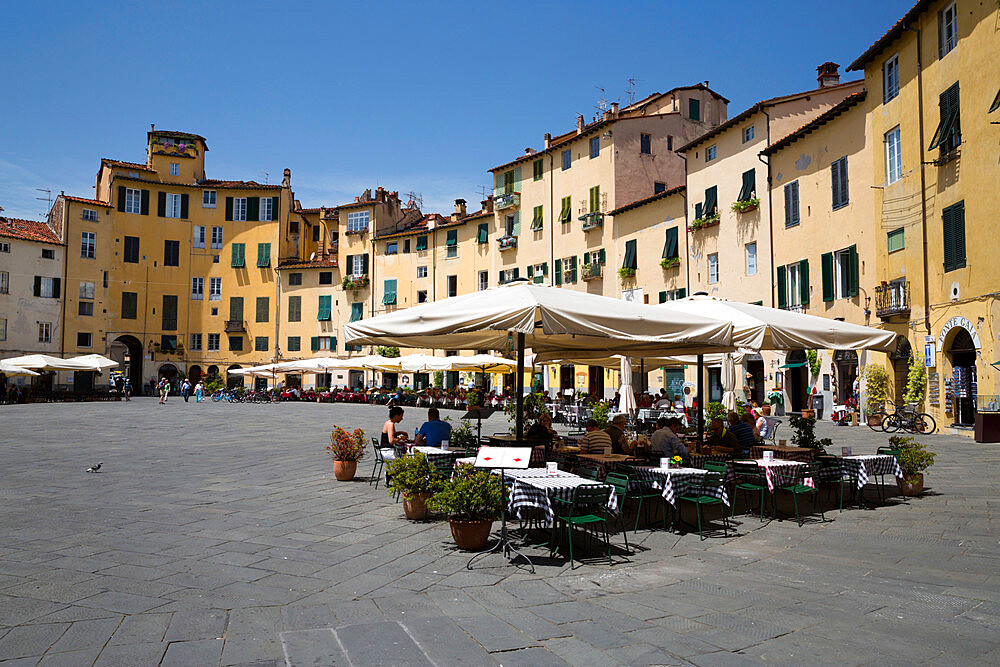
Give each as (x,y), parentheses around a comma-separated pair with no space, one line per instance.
(438,456)
(537,493)
(779,472)
(784,453)
(676,482)
(533,472)
(868,465)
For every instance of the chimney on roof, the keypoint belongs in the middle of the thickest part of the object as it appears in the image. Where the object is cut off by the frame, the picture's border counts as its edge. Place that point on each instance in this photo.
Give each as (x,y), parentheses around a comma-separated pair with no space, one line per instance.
(614,109)
(487,204)
(530,151)
(459,209)
(547,140)
(286,182)
(579,123)
(828,74)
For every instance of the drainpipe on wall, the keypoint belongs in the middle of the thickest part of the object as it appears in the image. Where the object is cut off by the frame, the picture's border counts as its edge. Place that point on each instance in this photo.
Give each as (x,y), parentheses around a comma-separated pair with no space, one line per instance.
(923,178)
(552,225)
(687,243)
(770,207)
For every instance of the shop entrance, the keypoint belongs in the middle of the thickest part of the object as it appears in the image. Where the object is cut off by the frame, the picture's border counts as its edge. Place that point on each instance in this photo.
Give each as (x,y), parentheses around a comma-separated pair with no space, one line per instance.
(796,367)
(962,354)
(127,351)
(846,364)
(900,358)
(755,379)
(595,381)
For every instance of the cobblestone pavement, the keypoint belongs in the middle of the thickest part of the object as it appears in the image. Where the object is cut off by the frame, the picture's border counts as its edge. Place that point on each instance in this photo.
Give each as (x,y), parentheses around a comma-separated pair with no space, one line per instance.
(216,534)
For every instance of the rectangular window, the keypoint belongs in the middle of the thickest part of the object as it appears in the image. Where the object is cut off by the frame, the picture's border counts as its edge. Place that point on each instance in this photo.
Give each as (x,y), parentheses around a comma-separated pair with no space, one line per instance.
(357,221)
(195,342)
(4,247)
(748,133)
(422,296)
(843,272)
(294,279)
(133,201)
(537,170)
(236,343)
(748,190)
(48,253)
(294,344)
(84,339)
(175,169)
(392,248)
(4,282)
(86,290)
(694,109)
(537,218)
(947,30)
(263,255)
(172,207)
(3,328)
(240,210)
(484,280)
(323,309)
(567,159)
(295,309)
(713,268)
(131,250)
(389,292)
(838,183)
(953,222)
(752,258)
(236,308)
(47,288)
(595,147)
(452,286)
(215,289)
(670,142)
(90,215)
(130,305)
(595,199)
(890,79)
(208,198)
(168,312)
(171,253)
(659,187)
(896,240)
(263,309)
(88,245)
(357,311)
(212,342)
(326,277)
(217,237)
(197,289)
(316,234)
(421,272)
(421,243)
(451,251)
(645,143)
(198,238)
(792,204)
(260,344)
(86,308)
(239,256)
(711,152)
(893,157)
(44,332)
(631,260)
(266,209)
(793,295)
(948,135)
(566,209)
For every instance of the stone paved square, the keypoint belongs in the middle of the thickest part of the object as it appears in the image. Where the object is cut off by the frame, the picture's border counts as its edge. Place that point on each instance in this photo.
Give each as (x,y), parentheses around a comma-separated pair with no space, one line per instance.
(216,534)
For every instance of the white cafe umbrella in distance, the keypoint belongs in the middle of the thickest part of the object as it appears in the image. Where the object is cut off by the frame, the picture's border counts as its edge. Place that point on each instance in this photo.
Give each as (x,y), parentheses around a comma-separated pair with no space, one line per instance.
(97,361)
(728,382)
(43,362)
(11,370)
(626,400)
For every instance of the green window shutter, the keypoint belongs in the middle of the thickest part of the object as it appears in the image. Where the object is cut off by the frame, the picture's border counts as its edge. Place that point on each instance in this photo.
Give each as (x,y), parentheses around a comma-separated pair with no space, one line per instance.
(896,240)
(536,218)
(558,272)
(681,293)
(670,245)
(38,286)
(572,269)
(389,292)
(948,103)
(263,254)
(364,264)
(711,201)
(996,103)
(855,276)
(169,312)
(483,235)
(537,169)
(663,297)
(452,237)
(57,284)
(500,278)
(295,309)
(545,268)
(631,261)
(294,344)
(357,311)
(161,204)
(953,219)
(566,210)
(314,343)
(749,187)
(595,199)
(275,208)
(236,308)
(782,297)
(517,223)
(229,208)
(421,243)
(698,211)
(804,282)
(323,309)
(826,262)
(144,202)
(530,271)
(121,198)
(184,206)
(239,258)
(517,179)
(694,109)
(253,208)
(601,256)
(263,308)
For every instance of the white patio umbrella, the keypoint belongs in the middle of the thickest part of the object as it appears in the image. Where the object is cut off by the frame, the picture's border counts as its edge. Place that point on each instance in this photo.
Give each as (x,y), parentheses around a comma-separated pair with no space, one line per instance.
(10,370)
(522,315)
(728,382)
(97,361)
(43,362)
(626,399)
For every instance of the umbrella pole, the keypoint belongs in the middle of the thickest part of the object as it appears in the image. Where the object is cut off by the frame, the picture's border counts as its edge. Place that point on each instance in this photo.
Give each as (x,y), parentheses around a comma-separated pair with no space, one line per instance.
(701,399)
(519,388)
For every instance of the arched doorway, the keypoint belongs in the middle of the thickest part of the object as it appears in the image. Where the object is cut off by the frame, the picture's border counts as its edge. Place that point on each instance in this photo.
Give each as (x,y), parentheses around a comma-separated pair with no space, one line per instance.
(234,381)
(754,378)
(900,358)
(194,374)
(846,364)
(169,371)
(962,355)
(213,372)
(796,382)
(127,351)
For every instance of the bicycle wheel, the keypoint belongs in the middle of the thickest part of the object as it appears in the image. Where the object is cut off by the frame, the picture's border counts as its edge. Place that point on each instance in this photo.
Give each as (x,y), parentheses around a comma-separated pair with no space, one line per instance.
(217,396)
(873,424)
(890,423)
(923,423)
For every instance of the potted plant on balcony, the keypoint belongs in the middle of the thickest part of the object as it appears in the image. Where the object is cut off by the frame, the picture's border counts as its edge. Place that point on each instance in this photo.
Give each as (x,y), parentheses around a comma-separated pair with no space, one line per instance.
(914,459)
(472,500)
(412,477)
(626,273)
(670,262)
(354,283)
(877,389)
(746,205)
(705,221)
(346,449)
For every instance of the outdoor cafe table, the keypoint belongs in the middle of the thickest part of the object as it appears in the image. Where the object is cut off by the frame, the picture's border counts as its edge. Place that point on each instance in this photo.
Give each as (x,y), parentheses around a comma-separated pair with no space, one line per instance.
(537,493)
(652,414)
(778,472)
(676,482)
(537,451)
(803,454)
(865,466)
(437,456)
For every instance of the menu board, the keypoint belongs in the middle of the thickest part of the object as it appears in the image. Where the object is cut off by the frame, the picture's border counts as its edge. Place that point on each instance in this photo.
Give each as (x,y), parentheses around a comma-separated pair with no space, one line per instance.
(933,389)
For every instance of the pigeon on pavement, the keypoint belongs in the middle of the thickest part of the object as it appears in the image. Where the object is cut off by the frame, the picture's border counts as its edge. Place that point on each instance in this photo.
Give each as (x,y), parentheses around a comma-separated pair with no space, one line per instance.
(95,468)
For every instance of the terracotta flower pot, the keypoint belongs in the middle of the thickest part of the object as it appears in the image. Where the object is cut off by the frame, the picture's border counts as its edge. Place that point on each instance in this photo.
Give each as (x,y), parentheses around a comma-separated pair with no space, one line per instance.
(912,485)
(344,470)
(415,508)
(471,535)
(874,420)
(808,413)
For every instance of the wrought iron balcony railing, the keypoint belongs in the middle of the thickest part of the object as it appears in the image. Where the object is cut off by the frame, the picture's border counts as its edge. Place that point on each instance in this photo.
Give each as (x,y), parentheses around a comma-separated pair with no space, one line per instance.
(892,298)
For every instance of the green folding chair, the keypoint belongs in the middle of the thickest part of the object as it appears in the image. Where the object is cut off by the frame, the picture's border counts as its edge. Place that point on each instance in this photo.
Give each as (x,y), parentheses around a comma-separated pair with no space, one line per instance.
(800,488)
(587,499)
(838,475)
(703,497)
(750,479)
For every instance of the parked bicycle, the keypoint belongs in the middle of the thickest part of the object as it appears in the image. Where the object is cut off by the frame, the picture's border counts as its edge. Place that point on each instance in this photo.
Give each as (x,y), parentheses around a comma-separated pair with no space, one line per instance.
(908,419)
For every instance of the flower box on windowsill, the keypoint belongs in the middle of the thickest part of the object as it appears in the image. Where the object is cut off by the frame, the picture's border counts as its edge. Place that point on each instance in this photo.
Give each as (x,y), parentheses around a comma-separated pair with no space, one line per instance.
(701,223)
(354,284)
(670,262)
(507,242)
(591,272)
(947,156)
(746,205)
(357,232)
(626,274)
(592,220)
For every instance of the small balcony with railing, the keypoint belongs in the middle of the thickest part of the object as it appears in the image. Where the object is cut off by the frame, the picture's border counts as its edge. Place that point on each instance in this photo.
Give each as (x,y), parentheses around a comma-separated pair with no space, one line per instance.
(507,242)
(236,326)
(506,200)
(592,220)
(892,298)
(591,271)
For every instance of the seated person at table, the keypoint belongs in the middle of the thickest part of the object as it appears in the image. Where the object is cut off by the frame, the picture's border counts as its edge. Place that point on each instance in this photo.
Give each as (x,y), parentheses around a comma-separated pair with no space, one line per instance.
(721,440)
(390,436)
(616,431)
(433,431)
(743,432)
(541,432)
(752,423)
(664,442)
(596,441)
(761,424)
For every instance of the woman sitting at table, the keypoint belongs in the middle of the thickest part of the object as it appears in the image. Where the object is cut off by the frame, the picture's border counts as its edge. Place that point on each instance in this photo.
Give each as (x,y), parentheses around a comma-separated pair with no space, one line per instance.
(390,436)
(541,432)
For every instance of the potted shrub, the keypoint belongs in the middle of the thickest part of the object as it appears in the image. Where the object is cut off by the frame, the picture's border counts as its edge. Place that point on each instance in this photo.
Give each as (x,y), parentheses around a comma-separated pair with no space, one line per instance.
(746,205)
(412,477)
(346,449)
(670,262)
(805,435)
(472,500)
(914,459)
(626,273)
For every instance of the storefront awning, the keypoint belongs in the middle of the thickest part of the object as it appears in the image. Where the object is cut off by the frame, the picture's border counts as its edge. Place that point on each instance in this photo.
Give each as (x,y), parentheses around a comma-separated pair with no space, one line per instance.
(794,364)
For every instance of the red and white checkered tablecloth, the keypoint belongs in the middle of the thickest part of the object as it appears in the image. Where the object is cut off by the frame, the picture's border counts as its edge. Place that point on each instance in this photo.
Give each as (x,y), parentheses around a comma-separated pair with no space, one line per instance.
(780,472)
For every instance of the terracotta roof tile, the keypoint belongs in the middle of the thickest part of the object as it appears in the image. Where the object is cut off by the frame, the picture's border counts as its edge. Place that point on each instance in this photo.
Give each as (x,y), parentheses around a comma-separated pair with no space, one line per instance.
(890,35)
(236,185)
(308,264)
(128,165)
(82,200)
(648,200)
(28,230)
(816,122)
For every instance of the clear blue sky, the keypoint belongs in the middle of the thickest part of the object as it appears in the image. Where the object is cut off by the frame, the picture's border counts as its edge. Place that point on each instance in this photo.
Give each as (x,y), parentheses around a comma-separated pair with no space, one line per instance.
(410,96)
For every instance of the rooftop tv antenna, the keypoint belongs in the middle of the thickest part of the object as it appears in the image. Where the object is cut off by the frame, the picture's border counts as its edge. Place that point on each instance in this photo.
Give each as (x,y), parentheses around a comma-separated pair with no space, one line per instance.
(47,198)
(602,102)
(484,191)
(414,200)
(266,176)
(630,87)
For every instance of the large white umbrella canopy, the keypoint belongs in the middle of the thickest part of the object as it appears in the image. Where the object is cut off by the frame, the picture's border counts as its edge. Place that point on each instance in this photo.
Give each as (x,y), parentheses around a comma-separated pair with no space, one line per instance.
(763,328)
(483,363)
(97,361)
(626,398)
(550,318)
(728,382)
(43,362)
(11,370)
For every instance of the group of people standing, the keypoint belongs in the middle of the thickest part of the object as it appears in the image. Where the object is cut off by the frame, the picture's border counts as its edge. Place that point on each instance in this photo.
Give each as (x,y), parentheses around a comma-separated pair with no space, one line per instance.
(186,389)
